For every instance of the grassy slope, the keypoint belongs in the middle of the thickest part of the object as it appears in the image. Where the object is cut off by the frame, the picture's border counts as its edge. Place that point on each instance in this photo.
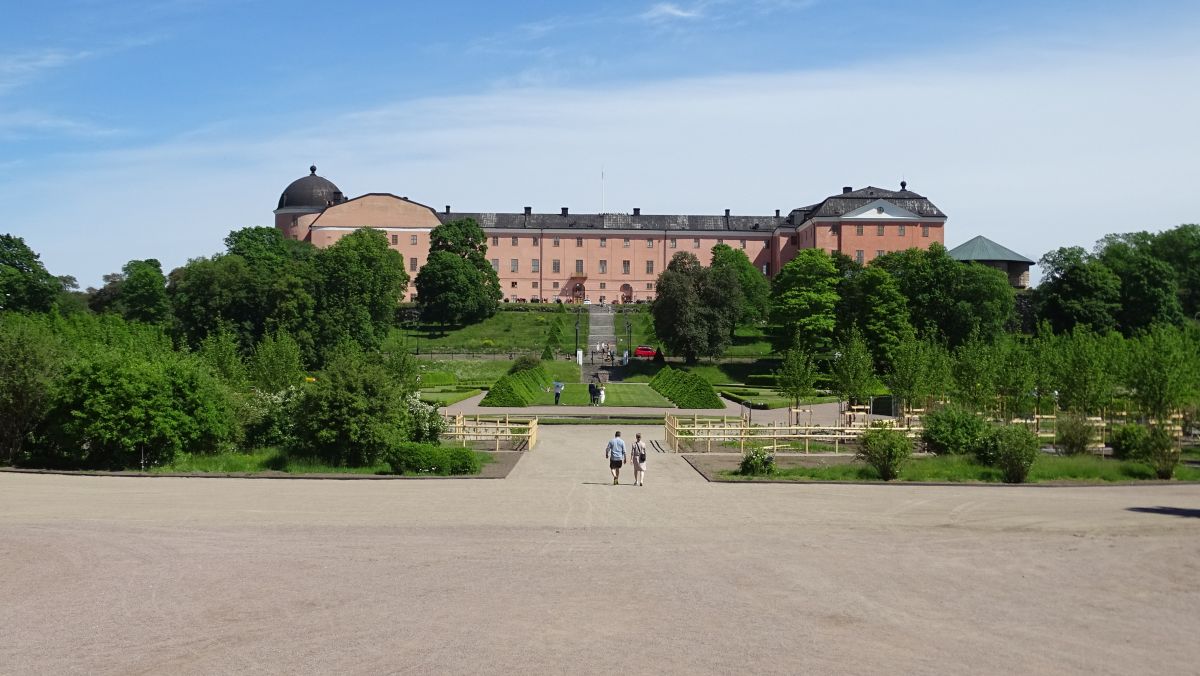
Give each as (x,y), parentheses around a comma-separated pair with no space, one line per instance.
(641,371)
(615,394)
(523,332)
(488,371)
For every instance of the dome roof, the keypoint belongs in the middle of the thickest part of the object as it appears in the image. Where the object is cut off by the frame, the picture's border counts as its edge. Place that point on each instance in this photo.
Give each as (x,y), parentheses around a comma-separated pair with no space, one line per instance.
(312,192)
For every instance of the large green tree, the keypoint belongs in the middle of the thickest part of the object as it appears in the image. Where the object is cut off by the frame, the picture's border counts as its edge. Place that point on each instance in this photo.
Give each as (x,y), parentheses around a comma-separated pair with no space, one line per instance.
(360,279)
(143,292)
(796,375)
(804,301)
(1149,287)
(693,313)
(31,360)
(448,294)
(853,369)
(1180,248)
(1163,373)
(871,300)
(753,285)
(25,285)
(1077,290)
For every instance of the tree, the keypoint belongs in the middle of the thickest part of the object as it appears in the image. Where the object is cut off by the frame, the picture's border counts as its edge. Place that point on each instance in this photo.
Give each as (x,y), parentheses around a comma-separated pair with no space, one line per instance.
(1089,366)
(976,369)
(871,300)
(1180,248)
(1077,290)
(478,295)
(803,302)
(359,282)
(25,285)
(31,360)
(853,369)
(753,285)
(796,375)
(1149,290)
(143,292)
(276,363)
(1162,373)
(912,375)
(693,314)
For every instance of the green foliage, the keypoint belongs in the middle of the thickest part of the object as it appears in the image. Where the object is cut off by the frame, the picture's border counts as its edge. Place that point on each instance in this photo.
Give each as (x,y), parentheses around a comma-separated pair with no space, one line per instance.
(1012,449)
(353,414)
(1077,290)
(32,358)
(853,369)
(457,284)
(25,285)
(360,281)
(276,363)
(1164,372)
(915,372)
(143,292)
(757,462)
(518,388)
(1149,288)
(547,352)
(423,458)
(1161,453)
(269,417)
(1129,442)
(976,371)
(1088,368)
(796,375)
(753,286)
(953,430)
(803,302)
(425,424)
(886,450)
(1074,435)
(220,351)
(1180,248)
(524,363)
(871,300)
(684,389)
(694,313)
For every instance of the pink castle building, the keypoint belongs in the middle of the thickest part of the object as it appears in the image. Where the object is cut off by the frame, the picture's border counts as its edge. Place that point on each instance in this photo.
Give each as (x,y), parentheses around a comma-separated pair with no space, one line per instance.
(615,257)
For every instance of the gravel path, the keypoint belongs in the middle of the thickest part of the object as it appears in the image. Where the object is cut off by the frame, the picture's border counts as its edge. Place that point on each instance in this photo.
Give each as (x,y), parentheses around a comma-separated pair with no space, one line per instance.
(553,570)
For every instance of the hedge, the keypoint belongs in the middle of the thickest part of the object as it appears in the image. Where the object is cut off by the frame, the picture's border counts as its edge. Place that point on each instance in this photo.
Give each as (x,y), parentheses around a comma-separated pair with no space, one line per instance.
(517,389)
(747,398)
(416,458)
(686,390)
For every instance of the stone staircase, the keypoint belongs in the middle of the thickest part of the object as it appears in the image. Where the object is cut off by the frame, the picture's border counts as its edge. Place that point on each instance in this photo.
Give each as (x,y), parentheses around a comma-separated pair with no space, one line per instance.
(600,331)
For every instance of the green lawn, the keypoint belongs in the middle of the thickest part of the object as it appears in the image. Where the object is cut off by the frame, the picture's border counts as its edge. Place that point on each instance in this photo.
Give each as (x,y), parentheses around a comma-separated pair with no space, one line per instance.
(446,397)
(964,469)
(615,394)
(521,332)
(484,372)
(771,397)
(750,341)
(268,460)
(642,371)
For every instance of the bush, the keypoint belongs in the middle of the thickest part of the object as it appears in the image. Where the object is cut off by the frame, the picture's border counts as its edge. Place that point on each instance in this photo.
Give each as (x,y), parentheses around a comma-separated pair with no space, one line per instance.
(1073,435)
(425,424)
(354,414)
(1012,449)
(757,462)
(270,417)
(886,450)
(525,362)
(547,353)
(518,389)
(684,389)
(1129,442)
(1160,452)
(420,458)
(953,429)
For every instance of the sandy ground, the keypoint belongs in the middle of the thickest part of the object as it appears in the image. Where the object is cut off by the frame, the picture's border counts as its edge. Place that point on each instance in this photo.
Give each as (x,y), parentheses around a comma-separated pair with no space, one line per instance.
(553,570)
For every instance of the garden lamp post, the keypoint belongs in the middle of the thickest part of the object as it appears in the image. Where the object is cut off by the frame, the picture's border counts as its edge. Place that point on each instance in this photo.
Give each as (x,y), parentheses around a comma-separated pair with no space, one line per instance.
(576,330)
(628,333)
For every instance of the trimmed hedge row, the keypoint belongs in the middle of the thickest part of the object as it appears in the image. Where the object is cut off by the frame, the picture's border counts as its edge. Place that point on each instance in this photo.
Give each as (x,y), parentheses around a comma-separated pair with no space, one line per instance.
(686,390)
(517,389)
(416,458)
(740,397)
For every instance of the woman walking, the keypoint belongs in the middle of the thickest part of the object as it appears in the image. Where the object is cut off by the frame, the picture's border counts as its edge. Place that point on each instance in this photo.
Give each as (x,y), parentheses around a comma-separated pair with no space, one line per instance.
(639,460)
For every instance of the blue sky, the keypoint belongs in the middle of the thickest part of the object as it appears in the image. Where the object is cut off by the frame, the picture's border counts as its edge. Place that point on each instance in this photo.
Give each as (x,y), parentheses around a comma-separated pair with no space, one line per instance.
(150,128)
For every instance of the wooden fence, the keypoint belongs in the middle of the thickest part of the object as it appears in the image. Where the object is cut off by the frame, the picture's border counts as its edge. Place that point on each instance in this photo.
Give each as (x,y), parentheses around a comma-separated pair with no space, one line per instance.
(696,433)
(516,433)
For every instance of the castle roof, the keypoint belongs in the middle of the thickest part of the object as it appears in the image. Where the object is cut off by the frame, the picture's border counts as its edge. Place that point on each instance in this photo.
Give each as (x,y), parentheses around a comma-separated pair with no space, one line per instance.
(980,248)
(850,200)
(310,192)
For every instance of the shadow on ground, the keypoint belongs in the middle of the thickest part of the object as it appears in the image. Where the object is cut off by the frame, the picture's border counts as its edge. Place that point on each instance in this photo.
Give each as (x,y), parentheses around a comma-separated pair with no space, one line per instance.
(1169,511)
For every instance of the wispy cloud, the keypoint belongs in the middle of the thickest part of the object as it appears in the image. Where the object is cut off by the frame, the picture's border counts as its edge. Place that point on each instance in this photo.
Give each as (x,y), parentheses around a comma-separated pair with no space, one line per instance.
(668,11)
(18,68)
(24,124)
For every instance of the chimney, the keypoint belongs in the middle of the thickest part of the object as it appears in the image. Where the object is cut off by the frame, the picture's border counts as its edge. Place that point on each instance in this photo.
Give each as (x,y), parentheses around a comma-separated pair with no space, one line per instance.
(564,211)
(637,211)
(776,213)
(847,188)
(528,210)
(726,213)
(447,209)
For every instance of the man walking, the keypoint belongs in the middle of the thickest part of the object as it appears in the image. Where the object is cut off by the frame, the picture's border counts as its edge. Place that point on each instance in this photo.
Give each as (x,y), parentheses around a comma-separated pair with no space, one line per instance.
(615,452)
(558,390)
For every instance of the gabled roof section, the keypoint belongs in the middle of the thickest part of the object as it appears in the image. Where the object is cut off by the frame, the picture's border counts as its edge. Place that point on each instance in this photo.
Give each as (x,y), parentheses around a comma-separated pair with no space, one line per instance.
(836,206)
(980,248)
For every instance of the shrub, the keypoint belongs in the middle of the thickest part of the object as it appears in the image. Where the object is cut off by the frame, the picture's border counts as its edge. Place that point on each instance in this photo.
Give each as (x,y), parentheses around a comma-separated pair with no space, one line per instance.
(886,450)
(684,389)
(547,353)
(1012,449)
(1073,434)
(757,462)
(953,429)
(270,417)
(525,362)
(1160,452)
(420,458)
(1129,442)
(517,389)
(424,422)
(353,415)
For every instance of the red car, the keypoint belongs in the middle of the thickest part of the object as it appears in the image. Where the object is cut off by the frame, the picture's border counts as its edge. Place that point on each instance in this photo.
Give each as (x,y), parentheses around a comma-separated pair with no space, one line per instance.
(644,351)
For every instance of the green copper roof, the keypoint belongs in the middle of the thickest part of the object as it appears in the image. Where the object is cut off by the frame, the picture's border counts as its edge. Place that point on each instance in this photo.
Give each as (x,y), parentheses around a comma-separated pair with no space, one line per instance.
(980,248)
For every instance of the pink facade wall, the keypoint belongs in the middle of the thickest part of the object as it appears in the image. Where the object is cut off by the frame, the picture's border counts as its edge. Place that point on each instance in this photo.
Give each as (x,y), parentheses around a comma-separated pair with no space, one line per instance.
(843,236)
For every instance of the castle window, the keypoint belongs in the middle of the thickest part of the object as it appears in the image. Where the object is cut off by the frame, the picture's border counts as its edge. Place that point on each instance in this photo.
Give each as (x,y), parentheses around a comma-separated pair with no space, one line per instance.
(578,266)
(696,243)
(743,244)
(412,239)
(514,241)
(496,264)
(879,231)
(535,265)
(649,286)
(535,285)
(624,267)
(878,253)
(674,243)
(412,264)
(649,267)
(626,242)
(556,285)
(395,240)
(555,242)
(901,229)
(858,256)
(603,242)
(603,286)
(924,230)
(495,241)
(649,244)
(512,285)
(535,241)
(603,267)
(858,229)
(513,265)
(578,241)
(555,266)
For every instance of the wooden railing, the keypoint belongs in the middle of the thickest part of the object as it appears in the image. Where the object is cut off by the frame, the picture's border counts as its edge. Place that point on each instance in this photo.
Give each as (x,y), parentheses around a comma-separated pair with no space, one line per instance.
(520,432)
(697,433)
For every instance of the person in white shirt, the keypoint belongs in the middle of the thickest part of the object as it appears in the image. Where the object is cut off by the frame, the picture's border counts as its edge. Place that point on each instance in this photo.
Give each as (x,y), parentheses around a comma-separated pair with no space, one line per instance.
(638,455)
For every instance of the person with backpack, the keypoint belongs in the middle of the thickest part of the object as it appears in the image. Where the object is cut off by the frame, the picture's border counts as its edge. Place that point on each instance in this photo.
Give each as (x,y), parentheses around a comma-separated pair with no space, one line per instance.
(639,461)
(615,452)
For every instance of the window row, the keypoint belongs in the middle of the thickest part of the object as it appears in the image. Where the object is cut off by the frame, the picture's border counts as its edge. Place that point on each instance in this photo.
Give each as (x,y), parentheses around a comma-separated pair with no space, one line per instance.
(626,242)
(902,229)
(412,239)
(556,285)
(535,265)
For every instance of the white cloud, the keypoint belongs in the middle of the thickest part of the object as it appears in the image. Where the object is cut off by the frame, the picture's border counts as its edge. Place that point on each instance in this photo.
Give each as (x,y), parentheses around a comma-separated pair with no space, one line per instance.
(1033,149)
(669,11)
(17,68)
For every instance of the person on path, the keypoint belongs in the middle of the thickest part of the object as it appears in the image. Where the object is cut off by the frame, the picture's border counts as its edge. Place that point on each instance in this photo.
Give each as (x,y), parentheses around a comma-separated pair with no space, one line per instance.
(639,461)
(601,394)
(615,452)
(592,393)
(558,390)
